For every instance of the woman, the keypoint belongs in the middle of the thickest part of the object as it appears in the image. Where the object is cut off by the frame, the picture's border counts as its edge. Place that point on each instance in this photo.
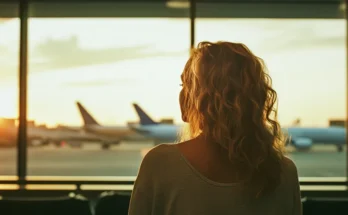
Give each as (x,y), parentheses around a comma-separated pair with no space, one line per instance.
(233,162)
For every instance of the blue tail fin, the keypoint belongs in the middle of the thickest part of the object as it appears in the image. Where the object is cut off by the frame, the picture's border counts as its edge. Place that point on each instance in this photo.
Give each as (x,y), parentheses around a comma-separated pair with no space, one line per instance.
(87,118)
(144,118)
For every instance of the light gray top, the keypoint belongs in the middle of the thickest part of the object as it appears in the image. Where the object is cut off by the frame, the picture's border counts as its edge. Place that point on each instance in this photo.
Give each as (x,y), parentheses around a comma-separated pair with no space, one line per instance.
(168,184)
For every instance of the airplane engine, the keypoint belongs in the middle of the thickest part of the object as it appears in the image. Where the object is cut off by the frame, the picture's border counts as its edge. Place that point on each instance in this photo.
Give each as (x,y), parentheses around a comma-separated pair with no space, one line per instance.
(302,143)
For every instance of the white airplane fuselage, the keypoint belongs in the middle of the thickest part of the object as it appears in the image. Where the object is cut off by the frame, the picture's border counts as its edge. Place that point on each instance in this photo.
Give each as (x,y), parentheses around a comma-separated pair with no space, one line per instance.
(326,135)
(162,132)
(120,133)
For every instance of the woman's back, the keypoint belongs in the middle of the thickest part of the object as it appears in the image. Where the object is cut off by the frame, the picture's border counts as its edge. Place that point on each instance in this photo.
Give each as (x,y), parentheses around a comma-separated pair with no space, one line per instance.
(171,181)
(233,162)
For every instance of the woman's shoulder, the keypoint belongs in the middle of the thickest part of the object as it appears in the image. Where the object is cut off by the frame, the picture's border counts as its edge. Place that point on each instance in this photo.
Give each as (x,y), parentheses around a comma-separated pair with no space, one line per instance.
(290,170)
(160,150)
(289,164)
(158,154)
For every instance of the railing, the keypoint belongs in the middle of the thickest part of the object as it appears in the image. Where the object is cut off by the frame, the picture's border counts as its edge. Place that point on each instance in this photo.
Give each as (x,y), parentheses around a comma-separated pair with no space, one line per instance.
(126,183)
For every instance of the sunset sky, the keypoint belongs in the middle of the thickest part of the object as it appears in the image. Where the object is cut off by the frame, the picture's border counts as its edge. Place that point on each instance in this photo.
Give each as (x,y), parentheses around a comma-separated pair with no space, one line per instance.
(107,64)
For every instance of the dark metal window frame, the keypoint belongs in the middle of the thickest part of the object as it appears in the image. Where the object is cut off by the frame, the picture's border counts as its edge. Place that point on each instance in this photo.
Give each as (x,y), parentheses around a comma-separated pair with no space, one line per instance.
(23,74)
(22,179)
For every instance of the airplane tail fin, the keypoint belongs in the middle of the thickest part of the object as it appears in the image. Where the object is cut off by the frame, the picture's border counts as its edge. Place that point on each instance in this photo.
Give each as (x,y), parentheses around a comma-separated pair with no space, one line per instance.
(144,118)
(87,117)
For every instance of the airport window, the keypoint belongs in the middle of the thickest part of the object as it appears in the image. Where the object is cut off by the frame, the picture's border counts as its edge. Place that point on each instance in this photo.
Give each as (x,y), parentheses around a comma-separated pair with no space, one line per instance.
(9,47)
(306,59)
(85,75)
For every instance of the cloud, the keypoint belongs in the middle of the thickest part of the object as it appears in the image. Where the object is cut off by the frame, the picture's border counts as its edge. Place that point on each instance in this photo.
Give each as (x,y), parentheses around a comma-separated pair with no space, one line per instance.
(302,38)
(98,83)
(65,54)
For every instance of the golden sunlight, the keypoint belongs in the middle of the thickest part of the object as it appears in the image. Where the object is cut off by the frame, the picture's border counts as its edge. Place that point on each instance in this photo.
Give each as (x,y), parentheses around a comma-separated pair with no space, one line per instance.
(8,107)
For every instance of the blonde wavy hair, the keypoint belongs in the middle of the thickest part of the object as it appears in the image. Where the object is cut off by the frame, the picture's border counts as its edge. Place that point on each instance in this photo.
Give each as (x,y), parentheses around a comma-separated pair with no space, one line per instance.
(227,97)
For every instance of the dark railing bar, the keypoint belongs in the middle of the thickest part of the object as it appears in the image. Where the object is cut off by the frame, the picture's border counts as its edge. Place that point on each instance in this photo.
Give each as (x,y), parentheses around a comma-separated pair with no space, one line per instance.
(25,182)
(79,183)
(325,2)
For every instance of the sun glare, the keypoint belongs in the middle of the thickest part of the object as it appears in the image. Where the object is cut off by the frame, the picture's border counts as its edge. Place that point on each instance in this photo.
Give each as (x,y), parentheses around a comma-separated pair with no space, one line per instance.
(8,105)
(7,112)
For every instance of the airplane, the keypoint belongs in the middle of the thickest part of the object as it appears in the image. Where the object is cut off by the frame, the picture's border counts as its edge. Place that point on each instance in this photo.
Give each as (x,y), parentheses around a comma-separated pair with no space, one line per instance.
(159,132)
(41,136)
(108,134)
(302,138)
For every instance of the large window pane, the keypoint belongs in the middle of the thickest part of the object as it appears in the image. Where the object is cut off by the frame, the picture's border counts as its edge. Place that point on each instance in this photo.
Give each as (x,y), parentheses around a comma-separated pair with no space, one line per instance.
(105,64)
(306,60)
(9,47)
